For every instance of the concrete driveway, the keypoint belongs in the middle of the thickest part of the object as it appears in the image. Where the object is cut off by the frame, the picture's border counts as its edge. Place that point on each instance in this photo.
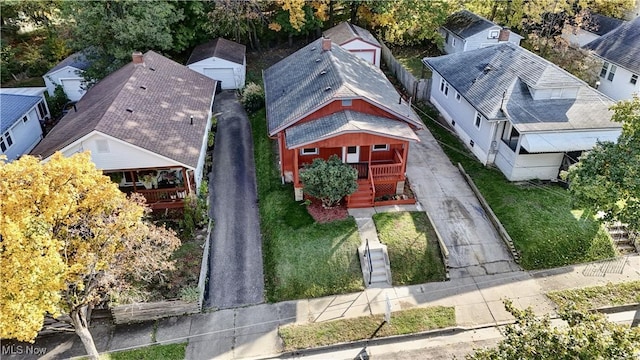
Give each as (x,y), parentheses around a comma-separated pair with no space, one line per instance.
(475,248)
(235,270)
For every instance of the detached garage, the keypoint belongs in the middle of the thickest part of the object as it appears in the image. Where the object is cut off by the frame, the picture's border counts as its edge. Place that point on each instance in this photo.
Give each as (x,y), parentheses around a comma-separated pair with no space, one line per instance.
(68,74)
(221,60)
(356,40)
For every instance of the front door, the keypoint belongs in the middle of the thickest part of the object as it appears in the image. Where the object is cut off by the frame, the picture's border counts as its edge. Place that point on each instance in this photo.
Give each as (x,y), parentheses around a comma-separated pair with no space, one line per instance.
(352,154)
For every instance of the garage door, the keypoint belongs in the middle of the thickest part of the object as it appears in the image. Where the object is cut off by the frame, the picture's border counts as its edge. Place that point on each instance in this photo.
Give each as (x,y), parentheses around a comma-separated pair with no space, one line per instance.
(73,88)
(224,75)
(367,55)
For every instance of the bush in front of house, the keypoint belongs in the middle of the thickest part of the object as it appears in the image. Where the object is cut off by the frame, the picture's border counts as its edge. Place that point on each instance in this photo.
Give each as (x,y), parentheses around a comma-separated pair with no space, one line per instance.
(329,180)
(252,97)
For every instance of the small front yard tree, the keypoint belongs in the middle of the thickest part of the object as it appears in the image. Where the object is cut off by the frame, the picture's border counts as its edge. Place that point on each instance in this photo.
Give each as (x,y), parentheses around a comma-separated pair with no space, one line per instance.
(329,180)
(68,237)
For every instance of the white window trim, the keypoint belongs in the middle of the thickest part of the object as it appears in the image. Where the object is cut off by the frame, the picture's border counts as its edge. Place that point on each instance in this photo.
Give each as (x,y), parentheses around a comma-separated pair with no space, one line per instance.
(476,123)
(634,79)
(386,147)
(316,151)
(25,119)
(3,139)
(444,87)
(453,42)
(458,96)
(612,72)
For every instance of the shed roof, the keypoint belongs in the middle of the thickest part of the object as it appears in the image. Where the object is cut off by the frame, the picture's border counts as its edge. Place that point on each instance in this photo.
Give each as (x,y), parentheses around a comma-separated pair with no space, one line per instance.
(465,24)
(76,60)
(13,107)
(500,78)
(310,78)
(147,105)
(600,24)
(220,48)
(345,32)
(620,46)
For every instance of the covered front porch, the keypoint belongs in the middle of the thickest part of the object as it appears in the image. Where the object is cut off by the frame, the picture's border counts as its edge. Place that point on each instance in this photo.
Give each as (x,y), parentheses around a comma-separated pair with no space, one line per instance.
(163,187)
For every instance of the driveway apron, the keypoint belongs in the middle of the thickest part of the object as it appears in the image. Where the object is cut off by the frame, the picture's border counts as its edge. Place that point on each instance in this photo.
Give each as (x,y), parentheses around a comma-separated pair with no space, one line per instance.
(475,248)
(235,268)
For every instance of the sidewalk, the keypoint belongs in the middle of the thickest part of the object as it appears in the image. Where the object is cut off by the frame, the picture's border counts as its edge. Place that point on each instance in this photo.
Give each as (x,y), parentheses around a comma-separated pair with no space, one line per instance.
(252,332)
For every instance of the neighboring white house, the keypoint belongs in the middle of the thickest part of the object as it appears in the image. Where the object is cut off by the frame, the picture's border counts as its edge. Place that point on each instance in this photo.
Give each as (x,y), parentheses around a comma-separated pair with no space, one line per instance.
(619,52)
(221,60)
(21,112)
(464,31)
(68,74)
(518,111)
(357,40)
(591,27)
(151,115)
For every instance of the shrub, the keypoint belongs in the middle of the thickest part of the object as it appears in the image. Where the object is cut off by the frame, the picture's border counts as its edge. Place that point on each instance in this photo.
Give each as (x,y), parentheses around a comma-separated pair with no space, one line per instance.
(252,97)
(56,102)
(329,180)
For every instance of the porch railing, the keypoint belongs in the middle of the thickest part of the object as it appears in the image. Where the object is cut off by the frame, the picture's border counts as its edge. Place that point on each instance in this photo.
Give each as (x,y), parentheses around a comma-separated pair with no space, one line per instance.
(386,170)
(368,262)
(362,168)
(163,195)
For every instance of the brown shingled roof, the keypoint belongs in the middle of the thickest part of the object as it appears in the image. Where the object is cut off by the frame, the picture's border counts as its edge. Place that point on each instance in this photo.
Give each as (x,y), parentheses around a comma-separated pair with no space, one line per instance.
(220,48)
(148,106)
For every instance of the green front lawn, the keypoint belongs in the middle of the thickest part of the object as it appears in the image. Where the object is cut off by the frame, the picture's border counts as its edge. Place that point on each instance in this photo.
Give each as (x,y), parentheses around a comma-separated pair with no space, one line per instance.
(347,330)
(302,259)
(153,352)
(599,296)
(414,252)
(546,229)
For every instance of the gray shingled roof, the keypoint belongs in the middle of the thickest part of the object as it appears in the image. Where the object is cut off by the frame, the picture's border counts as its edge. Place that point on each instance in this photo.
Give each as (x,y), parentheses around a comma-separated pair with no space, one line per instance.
(465,24)
(345,32)
(310,78)
(620,46)
(600,24)
(344,122)
(13,106)
(161,97)
(220,48)
(485,76)
(77,60)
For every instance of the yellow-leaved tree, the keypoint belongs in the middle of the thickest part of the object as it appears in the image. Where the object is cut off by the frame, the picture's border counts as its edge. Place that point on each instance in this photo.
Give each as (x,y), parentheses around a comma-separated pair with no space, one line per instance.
(68,235)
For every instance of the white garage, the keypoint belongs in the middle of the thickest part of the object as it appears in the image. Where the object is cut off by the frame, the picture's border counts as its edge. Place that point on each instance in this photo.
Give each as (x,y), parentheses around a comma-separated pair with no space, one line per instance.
(357,40)
(221,60)
(68,74)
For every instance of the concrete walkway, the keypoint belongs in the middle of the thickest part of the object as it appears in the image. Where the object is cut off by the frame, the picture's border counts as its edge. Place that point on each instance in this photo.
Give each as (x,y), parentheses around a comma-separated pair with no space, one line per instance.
(475,248)
(252,331)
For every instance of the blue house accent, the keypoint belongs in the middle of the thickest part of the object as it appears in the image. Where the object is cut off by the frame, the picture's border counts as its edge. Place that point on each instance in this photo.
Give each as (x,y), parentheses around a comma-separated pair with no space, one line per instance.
(20,116)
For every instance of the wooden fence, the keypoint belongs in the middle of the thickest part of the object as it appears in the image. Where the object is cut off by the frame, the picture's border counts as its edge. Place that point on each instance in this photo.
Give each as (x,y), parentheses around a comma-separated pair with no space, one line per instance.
(419,89)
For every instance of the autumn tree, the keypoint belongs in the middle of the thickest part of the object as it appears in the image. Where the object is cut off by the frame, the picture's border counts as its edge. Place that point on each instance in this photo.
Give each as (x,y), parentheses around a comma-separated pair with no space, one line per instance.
(242,21)
(329,180)
(588,336)
(68,236)
(607,178)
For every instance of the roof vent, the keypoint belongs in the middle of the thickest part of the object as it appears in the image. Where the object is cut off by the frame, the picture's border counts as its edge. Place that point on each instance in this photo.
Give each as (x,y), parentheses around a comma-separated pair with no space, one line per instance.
(143,87)
(152,69)
(487,69)
(129,110)
(323,72)
(318,60)
(313,48)
(327,88)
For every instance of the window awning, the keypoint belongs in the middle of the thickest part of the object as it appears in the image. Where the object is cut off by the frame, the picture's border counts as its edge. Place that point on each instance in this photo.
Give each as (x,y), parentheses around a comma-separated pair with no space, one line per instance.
(566,141)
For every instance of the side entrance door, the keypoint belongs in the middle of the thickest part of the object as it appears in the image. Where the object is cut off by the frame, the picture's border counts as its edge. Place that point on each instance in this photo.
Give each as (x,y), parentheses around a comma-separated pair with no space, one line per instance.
(351,154)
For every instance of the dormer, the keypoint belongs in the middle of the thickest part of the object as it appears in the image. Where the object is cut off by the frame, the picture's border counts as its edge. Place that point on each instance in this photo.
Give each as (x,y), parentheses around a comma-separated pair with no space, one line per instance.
(547,93)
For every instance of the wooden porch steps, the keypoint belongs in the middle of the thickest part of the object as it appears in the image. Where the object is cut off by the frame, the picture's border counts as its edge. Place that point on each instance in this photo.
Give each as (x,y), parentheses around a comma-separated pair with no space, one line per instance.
(363,197)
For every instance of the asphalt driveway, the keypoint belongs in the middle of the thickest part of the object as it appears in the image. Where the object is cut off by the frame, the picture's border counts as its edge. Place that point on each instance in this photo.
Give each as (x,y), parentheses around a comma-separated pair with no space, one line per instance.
(235,269)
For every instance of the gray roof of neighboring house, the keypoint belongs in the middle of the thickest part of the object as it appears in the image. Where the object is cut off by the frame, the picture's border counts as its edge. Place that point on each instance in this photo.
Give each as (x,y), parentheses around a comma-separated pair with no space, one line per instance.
(600,24)
(486,76)
(465,24)
(13,107)
(147,105)
(620,46)
(310,78)
(345,32)
(77,60)
(220,48)
(343,122)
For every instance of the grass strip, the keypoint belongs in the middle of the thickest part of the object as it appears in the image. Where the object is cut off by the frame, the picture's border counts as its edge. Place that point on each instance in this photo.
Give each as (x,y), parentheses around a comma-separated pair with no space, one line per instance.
(546,229)
(599,296)
(412,244)
(164,352)
(341,331)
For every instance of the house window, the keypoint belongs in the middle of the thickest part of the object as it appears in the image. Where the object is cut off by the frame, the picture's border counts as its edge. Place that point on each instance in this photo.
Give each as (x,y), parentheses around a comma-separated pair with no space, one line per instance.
(42,110)
(309,151)
(130,177)
(6,141)
(444,88)
(346,102)
(458,96)
(478,120)
(634,79)
(380,147)
(453,41)
(603,71)
(25,119)
(612,72)
(493,34)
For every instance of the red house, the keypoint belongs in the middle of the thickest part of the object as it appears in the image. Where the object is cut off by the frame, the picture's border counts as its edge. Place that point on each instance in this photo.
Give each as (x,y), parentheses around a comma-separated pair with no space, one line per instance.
(323,100)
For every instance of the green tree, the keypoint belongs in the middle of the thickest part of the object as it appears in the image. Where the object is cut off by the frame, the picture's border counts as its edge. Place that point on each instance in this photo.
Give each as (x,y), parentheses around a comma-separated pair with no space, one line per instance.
(588,336)
(109,31)
(329,180)
(607,178)
(69,235)
(57,101)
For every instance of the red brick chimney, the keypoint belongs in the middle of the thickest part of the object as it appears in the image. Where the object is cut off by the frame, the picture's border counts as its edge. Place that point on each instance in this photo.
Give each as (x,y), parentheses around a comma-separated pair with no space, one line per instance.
(504,34)
(326,44)
(137,58)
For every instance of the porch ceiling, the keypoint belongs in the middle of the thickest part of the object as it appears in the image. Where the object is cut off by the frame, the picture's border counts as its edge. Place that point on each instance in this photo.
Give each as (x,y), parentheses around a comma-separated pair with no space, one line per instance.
(347,122)
(565,141)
